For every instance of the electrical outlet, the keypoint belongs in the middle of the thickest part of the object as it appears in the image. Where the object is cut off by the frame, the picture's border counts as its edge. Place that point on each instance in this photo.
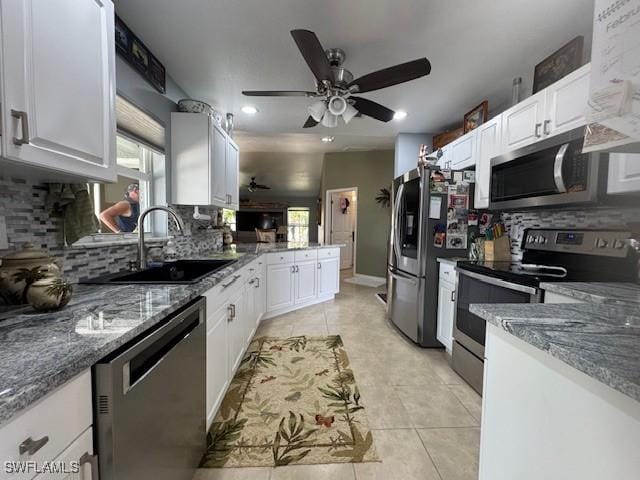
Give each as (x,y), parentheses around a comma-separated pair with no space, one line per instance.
(4,240)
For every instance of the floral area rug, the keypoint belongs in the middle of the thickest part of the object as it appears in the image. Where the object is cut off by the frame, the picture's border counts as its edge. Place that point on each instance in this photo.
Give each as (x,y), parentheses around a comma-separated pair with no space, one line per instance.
(293,401)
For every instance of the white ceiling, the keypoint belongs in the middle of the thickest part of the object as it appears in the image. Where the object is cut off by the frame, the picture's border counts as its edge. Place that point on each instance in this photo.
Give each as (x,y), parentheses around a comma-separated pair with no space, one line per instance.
(215,49)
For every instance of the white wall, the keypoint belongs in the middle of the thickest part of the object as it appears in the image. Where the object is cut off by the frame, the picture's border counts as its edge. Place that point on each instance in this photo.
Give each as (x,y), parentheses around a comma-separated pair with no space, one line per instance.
(407,149)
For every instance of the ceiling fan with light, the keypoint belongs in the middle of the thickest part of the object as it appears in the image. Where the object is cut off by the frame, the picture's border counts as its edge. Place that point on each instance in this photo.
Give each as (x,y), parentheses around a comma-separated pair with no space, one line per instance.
(252,186)
(335,86)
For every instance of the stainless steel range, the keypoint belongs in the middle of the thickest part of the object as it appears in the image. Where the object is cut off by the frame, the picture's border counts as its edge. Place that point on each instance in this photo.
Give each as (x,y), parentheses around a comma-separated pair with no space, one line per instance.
(550,255)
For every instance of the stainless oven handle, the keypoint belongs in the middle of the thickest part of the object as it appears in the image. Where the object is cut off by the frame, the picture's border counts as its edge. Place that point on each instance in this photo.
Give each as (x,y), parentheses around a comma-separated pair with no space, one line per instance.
(557,168)
(499,283)
(401,276)
(396,219)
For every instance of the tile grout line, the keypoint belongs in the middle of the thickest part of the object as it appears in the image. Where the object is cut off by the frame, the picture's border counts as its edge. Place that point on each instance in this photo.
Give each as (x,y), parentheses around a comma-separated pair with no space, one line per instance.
(428,454)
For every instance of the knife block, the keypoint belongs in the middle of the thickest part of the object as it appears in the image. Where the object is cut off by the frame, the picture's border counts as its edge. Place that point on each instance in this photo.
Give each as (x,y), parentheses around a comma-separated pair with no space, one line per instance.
(498,250)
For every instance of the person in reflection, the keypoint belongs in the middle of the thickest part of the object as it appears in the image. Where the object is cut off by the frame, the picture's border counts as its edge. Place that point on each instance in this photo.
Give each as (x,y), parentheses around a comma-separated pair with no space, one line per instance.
(123,216)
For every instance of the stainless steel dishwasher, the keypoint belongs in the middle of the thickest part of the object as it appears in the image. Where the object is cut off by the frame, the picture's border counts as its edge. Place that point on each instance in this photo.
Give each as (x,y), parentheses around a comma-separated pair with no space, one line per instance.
(150,402)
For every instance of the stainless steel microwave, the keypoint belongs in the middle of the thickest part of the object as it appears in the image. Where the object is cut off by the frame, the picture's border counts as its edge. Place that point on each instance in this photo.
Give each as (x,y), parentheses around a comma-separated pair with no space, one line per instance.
(552,172)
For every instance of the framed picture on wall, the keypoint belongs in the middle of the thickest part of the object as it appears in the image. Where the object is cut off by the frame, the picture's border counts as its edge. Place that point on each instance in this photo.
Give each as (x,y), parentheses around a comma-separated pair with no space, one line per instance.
(559,64)
(476,117)
(135,53)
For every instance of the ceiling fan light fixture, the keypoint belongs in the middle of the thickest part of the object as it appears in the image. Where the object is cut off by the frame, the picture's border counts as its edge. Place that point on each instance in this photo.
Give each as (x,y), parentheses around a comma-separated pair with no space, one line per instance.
(337,105)
(349,113)
(330,120)
(317,110)
(400,115)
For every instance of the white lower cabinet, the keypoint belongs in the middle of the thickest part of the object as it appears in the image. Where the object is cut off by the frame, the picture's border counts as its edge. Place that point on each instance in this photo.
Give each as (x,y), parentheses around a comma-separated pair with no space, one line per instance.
(217,359)
(542,419)
(50,429)
(305,281)
(446,305)
(279,286)
(237,332)
(78,461)
(328,276)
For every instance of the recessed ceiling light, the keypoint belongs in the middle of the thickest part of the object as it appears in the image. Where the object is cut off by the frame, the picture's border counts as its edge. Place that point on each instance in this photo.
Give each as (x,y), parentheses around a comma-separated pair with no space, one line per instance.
(327,139)
(400,115)
(249,109)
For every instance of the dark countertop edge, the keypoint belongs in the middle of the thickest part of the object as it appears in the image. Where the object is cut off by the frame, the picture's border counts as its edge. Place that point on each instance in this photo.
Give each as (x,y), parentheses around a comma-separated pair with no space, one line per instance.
(68,371)
(579,292)
(582,364)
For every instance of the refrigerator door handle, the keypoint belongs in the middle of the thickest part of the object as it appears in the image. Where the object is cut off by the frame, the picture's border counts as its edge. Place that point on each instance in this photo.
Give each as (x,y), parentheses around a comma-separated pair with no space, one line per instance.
(396,219)
(401,276)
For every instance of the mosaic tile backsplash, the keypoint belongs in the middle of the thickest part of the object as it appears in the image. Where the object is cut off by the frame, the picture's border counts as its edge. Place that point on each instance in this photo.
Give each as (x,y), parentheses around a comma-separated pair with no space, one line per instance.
(517,222)
(23,204)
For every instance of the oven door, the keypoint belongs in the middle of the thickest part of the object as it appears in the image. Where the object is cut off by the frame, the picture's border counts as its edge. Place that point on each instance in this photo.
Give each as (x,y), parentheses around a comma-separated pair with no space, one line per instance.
(470,329)
(551,172)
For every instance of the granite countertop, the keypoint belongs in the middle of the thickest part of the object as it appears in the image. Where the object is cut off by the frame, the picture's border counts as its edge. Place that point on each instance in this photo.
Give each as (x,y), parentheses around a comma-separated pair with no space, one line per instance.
(598,292)
(599,340)
(452,260)
(41,351)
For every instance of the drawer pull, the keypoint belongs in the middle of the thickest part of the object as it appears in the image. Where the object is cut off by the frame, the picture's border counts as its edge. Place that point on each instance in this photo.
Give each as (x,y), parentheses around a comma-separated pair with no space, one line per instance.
(453,296)
(93,461)
(31,446)
(235,278)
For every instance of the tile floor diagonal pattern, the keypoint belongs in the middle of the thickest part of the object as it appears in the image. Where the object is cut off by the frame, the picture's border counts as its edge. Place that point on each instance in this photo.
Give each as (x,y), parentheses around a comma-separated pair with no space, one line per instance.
(425,418)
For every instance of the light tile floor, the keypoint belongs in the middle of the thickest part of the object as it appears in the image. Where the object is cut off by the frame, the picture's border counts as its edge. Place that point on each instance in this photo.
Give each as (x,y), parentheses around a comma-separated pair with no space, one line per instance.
(425,418)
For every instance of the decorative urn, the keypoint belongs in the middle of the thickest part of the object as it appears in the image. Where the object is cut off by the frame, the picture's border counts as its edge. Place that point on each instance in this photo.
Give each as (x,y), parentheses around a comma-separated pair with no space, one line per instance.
(21,269)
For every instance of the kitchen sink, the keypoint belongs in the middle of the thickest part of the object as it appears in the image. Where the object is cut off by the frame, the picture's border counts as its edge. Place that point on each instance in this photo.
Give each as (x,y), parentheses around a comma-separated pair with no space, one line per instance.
(179,272)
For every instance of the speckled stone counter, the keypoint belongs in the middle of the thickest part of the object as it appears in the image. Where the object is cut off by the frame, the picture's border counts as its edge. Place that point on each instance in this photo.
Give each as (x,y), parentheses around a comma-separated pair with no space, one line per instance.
(39,352)
(602,341)
(598,292)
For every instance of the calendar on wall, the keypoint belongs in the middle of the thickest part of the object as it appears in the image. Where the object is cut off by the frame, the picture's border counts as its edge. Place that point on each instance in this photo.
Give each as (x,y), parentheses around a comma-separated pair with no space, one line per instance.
(614,96)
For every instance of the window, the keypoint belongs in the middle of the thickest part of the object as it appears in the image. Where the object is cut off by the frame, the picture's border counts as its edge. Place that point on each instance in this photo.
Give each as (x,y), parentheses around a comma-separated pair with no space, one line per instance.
(134,166)
(298,225)
(229,218)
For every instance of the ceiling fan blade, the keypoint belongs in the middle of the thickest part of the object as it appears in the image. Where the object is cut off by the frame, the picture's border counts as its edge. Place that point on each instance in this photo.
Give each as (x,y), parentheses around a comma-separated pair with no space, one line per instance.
(310,123)
(278,93)
(392,75)
(372,109)
(313,53)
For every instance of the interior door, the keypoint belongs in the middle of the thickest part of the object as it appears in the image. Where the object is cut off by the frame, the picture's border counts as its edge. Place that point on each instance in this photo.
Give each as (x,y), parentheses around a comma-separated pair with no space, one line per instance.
(343,225)
(59,85)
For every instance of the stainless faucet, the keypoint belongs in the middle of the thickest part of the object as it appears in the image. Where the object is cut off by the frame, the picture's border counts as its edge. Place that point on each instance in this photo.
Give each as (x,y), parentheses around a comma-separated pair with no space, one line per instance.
(142,250)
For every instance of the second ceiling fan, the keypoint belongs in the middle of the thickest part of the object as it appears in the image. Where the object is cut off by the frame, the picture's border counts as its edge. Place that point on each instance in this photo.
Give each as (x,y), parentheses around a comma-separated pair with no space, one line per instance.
(335,86)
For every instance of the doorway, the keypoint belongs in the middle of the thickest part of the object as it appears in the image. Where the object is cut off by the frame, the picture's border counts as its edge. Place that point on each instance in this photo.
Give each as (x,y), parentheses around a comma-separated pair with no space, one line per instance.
(342,223)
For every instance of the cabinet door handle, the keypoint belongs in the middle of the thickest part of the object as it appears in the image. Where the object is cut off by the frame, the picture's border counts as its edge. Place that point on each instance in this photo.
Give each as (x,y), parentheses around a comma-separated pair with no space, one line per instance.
(453,295)
(31,446)
(257,282)
(537,132)
(93,461)
(545,128)
(297,269)
(228,284)
(24,119)
(319,265)
(233,310)
(229,313)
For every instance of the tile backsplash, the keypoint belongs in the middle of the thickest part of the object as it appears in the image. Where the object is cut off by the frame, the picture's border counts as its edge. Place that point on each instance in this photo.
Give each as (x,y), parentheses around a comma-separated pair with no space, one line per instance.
(28,219)
(517,222)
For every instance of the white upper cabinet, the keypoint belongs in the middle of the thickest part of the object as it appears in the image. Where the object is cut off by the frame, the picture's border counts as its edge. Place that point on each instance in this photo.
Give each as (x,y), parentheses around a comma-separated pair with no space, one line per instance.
(566,102)
(232,167)
(624,173)
(204,162)
(463,151)
(58,86)
(488,146)
(522,123)
(558,108)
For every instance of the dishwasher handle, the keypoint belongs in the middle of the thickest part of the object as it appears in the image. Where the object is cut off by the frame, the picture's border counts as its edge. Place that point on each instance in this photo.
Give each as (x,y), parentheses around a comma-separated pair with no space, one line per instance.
(144,357)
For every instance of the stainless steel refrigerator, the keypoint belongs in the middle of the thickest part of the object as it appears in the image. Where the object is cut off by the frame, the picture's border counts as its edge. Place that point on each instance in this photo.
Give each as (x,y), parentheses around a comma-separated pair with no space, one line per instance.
(412,287)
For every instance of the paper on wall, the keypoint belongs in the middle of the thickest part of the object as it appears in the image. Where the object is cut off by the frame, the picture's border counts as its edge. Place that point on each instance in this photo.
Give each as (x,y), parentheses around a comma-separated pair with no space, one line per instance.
(614,94)
(435,206)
